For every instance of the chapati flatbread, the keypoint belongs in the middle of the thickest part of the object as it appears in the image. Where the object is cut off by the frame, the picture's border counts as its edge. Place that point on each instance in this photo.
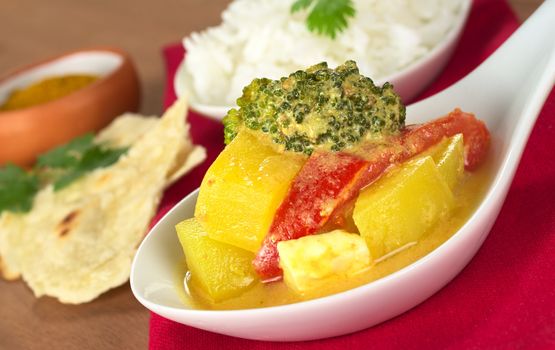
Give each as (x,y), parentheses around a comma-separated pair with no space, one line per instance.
(79,242)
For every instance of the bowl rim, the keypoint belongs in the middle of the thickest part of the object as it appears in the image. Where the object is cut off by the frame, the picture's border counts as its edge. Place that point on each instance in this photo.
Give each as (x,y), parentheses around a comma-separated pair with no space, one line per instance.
(451,36)
(101,80)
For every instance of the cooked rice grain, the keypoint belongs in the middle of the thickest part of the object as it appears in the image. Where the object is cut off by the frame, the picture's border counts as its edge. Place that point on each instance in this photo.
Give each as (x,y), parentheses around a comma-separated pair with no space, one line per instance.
(262,38)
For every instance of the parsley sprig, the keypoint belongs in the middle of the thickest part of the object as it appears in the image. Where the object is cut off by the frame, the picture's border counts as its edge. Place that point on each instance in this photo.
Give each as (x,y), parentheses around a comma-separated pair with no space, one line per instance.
(326,17)
(17,189)
(60,166)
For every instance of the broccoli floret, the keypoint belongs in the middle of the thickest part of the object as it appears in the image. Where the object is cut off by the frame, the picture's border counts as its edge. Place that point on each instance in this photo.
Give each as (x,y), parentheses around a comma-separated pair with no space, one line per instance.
(317,108)
(232,122)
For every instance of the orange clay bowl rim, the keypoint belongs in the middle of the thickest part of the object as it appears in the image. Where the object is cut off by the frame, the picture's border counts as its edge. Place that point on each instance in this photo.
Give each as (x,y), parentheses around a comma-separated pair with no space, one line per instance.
(43,126)
(103,80)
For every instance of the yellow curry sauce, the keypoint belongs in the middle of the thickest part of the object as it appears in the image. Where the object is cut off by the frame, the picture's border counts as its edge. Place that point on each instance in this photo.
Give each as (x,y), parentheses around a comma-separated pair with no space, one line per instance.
(468,195)
(46,90)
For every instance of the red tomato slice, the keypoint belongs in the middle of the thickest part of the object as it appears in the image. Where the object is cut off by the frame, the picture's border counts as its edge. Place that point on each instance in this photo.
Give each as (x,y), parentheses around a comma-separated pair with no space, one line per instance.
(328,181)
(476,136)
(325,182)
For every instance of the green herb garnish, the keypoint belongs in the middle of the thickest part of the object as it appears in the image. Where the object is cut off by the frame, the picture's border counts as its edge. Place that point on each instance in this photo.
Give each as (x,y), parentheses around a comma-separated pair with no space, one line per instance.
(75,159)
(93,158)
(17,189)
(68,155)
(60,166)
(326,17)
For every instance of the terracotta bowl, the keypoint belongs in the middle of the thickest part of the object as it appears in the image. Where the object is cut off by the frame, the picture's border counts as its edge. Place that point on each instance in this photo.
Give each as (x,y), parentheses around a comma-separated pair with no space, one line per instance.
(28,132)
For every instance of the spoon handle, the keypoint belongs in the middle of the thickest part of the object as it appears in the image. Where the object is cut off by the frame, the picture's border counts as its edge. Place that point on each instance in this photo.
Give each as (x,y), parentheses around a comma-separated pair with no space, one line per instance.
(526,57)
(520,71)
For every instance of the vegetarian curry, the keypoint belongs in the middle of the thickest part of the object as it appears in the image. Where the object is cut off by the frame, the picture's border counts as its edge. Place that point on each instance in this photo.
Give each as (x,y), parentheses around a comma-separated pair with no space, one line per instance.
(311,200)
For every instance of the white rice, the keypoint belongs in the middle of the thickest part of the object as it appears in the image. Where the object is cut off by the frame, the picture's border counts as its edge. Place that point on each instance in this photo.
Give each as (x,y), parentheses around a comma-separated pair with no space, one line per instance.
(261,38)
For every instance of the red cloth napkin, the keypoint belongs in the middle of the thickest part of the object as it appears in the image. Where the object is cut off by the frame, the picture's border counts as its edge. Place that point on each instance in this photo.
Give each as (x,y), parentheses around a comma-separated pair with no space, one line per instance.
(505,298)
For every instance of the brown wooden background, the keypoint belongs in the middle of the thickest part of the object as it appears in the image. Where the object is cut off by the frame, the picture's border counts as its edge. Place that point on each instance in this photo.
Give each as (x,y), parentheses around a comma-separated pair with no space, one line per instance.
(33,29)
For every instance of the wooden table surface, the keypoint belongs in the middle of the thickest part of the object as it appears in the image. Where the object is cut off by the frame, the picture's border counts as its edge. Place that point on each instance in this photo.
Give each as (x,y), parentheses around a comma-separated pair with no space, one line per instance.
(31,30)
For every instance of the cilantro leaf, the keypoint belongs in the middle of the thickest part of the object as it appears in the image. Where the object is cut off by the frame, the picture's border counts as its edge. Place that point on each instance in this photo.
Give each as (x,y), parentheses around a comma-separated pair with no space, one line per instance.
(17,189)
(326,17)
(60,166)
(300,5)
(67,178)
(100,157)
(68,155)
(93,158)
(67,163)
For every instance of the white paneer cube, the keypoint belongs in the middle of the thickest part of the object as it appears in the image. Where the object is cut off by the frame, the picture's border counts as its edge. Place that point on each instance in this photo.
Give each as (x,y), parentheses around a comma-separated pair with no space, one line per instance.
(310,262)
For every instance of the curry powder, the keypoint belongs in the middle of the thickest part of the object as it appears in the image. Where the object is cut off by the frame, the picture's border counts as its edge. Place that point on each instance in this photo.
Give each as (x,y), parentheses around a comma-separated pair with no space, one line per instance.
(46,90)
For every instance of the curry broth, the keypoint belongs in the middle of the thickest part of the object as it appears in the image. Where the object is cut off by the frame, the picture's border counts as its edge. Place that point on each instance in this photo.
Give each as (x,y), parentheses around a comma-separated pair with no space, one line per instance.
(468,196)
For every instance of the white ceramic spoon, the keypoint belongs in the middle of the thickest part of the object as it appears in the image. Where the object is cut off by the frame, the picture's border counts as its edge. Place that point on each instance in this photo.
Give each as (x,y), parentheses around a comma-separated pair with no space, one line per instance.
(507,91)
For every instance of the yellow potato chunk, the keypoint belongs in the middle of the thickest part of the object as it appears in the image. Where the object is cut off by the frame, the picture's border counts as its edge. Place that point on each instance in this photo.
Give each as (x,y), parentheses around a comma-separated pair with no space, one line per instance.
(449,158)
(218,271)
(242,190)
(402,205)
(311,262)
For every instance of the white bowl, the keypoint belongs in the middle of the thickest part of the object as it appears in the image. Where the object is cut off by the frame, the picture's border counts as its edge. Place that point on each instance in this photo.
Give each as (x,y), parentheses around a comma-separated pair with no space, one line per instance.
(408,82)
